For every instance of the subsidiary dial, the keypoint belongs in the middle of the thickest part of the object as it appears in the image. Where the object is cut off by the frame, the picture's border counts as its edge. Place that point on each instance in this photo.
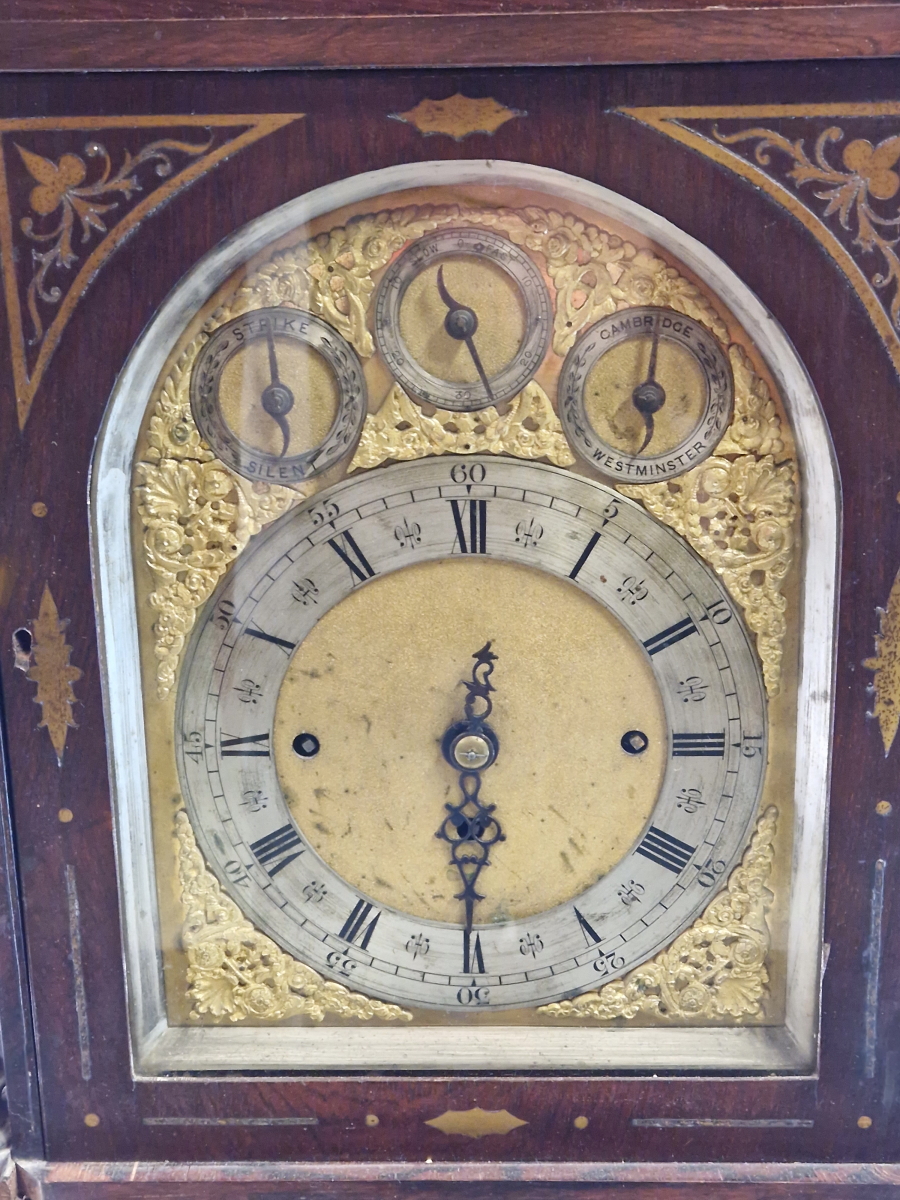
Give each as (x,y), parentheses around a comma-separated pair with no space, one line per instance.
(463,319)
(279,395)
(645,394)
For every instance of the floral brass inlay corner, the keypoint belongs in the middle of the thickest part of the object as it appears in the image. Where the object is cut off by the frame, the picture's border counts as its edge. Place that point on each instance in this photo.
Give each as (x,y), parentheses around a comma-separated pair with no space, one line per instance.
(53,673)
(717,968)
(82,205)
(235,972)
(476,1122)
(849,220)
(458,116)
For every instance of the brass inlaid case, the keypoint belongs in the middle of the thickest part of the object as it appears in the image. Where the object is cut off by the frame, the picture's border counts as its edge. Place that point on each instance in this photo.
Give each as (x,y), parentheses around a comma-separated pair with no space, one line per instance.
(600,703)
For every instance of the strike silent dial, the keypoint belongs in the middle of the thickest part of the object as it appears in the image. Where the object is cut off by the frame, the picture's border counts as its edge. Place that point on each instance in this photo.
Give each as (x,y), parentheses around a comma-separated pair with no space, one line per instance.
(463,319)
(645,394)
(279,395)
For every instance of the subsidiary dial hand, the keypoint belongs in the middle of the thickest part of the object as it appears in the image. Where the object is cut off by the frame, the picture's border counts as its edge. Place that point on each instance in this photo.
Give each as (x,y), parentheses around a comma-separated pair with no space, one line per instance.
(277,398)
(461,324)
(649,397)
(471,746)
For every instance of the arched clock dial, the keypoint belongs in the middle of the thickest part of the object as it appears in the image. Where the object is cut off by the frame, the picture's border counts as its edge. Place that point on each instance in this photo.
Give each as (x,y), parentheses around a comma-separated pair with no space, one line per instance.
(259,737)
(463,318)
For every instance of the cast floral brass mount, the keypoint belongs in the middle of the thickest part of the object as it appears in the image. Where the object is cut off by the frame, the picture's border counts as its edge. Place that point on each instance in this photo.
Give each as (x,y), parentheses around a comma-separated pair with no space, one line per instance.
(852,178)
(197,515)
(717,968)
(82,206)
(235,972)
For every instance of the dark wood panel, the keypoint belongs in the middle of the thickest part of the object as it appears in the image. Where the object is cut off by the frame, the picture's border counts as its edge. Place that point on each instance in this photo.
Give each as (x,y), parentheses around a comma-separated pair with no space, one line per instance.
(676,31)
(509,1181)
(572,127)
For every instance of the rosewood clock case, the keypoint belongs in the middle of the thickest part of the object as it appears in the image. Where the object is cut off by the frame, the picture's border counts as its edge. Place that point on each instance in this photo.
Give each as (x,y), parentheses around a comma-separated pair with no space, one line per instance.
(797,239)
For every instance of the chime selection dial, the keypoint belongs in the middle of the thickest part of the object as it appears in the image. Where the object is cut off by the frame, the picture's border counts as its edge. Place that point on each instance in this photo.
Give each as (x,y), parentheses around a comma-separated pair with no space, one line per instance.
(645,394)
(463,319)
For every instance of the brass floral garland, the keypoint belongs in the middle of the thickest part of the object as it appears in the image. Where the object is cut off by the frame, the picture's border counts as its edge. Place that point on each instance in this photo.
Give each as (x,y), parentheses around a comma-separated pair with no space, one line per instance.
(235,972)
(400,430)
(737,513)
(717,968)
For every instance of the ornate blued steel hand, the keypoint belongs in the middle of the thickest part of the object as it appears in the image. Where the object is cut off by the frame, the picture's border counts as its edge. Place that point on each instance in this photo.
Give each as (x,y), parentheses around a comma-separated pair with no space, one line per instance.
(461,323)
(649,397)
(471,746)
(277,398)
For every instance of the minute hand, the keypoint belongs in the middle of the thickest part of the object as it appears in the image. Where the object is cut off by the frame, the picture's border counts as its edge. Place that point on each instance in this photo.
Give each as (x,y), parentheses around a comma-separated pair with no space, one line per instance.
(461,322)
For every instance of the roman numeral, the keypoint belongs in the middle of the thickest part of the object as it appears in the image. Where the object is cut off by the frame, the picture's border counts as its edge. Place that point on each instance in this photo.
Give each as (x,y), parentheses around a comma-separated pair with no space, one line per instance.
(253,739)
(698,745)
(345,547)
(585,555)
(476,540)
(660,847)
(287,647)
(355,924)
(473,959)
(275,848)
(668,637)
(591,936)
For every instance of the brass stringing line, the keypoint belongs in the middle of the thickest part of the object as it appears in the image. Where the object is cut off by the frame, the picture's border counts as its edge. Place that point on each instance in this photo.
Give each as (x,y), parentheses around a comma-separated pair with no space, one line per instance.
(717,968)
(235,972)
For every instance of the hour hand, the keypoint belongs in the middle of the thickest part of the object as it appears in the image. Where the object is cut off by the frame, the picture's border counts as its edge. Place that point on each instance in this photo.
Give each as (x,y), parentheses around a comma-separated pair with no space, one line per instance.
(470,746)
(461,323)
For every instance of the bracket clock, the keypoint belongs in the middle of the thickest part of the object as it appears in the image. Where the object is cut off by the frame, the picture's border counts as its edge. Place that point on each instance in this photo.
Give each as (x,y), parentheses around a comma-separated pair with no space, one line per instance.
(450,628)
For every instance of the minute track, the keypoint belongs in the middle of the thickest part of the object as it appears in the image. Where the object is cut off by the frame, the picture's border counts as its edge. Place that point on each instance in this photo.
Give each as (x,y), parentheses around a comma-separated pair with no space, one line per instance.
(570,510)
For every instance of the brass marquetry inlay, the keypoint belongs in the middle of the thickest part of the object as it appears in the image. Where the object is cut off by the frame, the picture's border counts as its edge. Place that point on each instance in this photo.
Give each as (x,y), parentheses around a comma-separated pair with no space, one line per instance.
(886,665)
(476,1122)
(53,673)
(236,972)
(85,202)
(458,116)
(854,179)
(717,968)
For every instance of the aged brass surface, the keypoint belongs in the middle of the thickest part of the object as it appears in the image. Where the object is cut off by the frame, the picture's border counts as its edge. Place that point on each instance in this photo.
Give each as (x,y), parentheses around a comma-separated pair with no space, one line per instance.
(611,383)
(458,116)
(476,1122)
(312,385)
(482,286)
(400,430)
(378,681)
(886,665)
(715,968)
(53,673)
(235,972)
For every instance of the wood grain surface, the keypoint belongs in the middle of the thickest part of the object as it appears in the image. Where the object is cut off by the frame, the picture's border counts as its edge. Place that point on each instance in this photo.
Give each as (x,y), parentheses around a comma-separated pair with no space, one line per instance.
(572,126)
(201,36)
